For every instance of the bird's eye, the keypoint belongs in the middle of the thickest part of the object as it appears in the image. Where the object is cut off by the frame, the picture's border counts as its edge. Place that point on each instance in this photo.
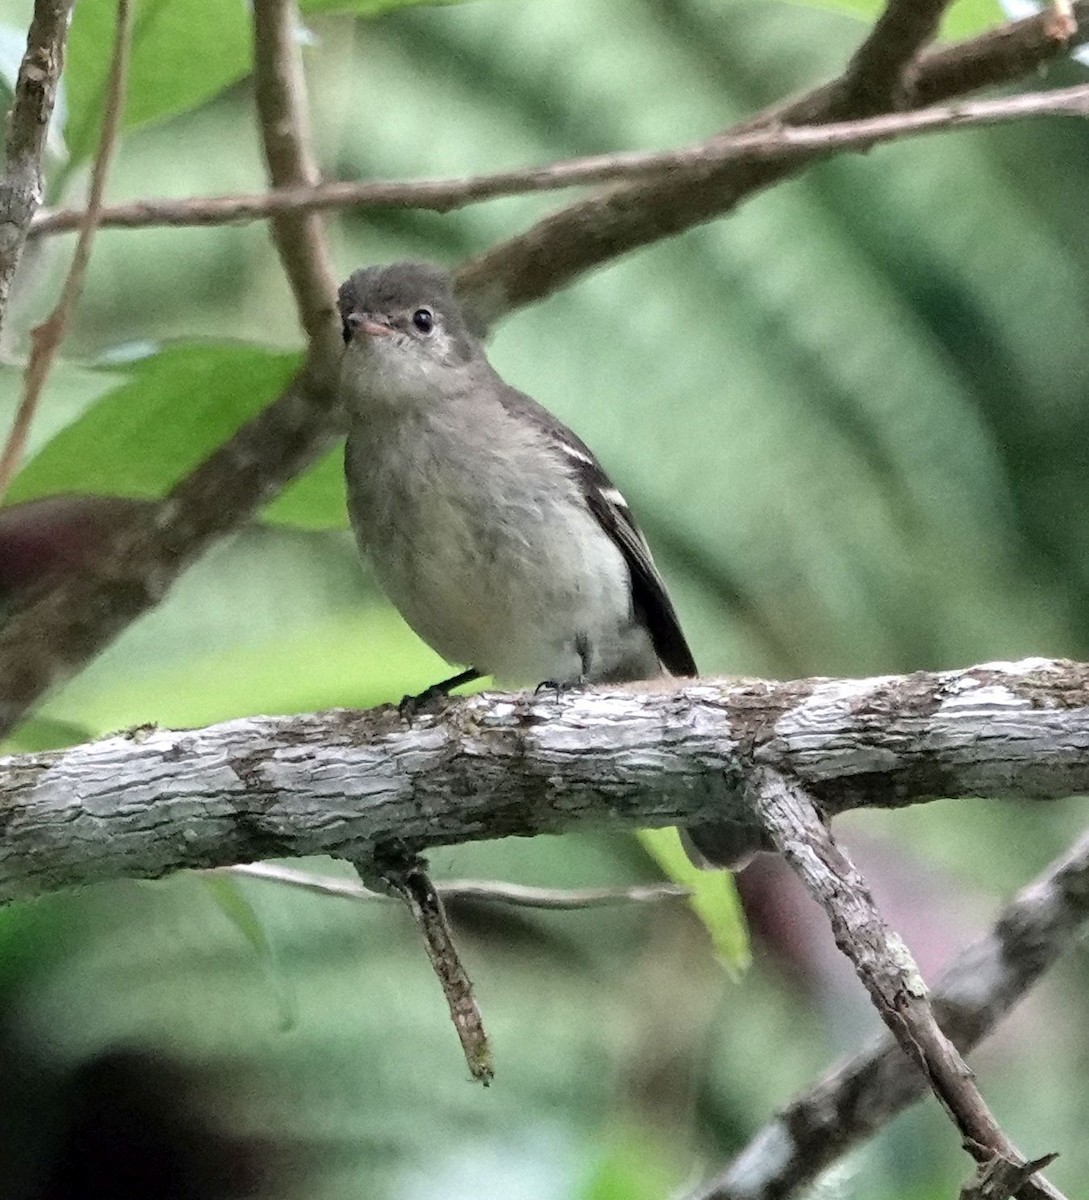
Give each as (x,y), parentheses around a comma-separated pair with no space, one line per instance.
(423,320)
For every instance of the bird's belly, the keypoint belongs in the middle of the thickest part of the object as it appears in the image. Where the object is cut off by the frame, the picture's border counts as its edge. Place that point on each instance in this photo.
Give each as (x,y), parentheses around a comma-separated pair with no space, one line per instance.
(519,583)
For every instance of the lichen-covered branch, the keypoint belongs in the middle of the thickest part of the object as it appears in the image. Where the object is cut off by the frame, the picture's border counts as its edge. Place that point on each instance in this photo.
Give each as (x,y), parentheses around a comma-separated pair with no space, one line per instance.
(155,801)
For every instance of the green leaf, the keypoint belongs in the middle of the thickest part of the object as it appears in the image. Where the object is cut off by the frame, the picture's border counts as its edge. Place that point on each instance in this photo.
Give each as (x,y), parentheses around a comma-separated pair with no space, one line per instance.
(714,897)
(173,409)
(183,53)
(964,19)
(236,907)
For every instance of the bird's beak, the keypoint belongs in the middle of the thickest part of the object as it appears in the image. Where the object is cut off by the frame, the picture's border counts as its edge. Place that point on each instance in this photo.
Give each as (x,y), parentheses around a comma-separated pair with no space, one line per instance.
(375,327)
(365,323)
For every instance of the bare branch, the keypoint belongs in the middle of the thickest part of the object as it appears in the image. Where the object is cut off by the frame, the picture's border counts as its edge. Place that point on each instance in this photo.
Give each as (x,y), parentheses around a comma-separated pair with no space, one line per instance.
(28,127)
(280,92)
(403,875)
(779,143)
(880,74)
(856,1100)
(561,247)
(886,968)
(495,765)
(517,895)
(46,338)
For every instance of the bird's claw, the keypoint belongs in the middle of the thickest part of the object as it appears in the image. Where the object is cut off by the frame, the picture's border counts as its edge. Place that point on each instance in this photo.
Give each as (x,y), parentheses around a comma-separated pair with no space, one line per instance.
(559,688)
(431,699)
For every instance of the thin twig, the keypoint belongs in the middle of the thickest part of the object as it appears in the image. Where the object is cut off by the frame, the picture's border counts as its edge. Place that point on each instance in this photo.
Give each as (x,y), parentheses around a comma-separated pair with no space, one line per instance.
(404,876)
(776,144)
(28,129)
(517,895)
(47,337)
(280,95)
(885,966)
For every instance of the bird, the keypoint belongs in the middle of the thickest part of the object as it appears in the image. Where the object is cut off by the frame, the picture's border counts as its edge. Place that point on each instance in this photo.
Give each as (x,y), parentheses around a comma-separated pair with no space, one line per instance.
(489,524)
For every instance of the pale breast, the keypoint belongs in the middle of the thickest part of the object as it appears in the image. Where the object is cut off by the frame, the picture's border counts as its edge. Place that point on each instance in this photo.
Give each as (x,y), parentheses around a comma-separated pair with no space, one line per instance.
(489,553)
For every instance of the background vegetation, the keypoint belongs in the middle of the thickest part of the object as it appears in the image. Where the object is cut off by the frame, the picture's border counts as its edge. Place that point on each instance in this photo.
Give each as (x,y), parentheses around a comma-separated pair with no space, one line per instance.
(853,420)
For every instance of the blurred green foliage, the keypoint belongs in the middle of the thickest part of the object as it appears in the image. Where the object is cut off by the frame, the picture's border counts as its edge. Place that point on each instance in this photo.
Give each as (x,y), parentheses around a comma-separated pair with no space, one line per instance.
(852,419)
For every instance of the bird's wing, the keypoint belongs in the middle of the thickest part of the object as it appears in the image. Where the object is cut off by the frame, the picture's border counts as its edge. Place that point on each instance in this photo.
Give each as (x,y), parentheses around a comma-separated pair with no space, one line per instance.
(649,596)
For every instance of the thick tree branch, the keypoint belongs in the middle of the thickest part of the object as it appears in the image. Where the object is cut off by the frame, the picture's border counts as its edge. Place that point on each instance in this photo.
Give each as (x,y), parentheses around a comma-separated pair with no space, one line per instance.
(493,765)
(863,1095)
(779,143)
(561,247)
(886,968)
(28,127)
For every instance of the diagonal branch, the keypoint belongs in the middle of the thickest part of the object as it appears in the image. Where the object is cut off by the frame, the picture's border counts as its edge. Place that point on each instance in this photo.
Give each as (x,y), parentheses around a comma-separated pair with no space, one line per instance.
(28,128)
(886,968)
(776,143)
(881,73)
(863,1095)
(60,630)
(47,337)
(402,874)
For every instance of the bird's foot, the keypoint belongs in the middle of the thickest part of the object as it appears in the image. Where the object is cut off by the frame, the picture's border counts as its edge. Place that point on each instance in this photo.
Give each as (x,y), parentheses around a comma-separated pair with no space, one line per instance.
(559,688)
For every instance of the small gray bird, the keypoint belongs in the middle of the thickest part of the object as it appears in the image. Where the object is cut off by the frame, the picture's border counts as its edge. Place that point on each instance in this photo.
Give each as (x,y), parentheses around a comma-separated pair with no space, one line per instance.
(489,524)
